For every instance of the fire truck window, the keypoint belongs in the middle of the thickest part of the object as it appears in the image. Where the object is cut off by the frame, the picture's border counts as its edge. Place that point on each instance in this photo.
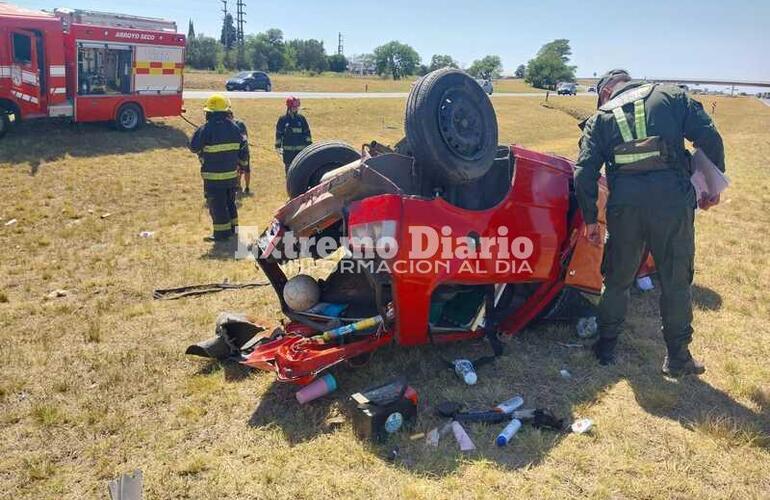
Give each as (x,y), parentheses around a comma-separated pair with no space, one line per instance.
(22,48)
(103,71)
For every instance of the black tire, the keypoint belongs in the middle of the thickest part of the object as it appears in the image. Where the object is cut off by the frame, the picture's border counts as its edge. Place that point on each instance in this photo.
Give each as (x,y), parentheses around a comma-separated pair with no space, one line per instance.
(268,88)
(451,126)
(129,118)
(5,123)
(314,161)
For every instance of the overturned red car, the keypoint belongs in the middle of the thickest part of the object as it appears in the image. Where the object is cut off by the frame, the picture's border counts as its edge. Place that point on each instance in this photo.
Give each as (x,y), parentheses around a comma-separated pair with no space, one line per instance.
(447,236)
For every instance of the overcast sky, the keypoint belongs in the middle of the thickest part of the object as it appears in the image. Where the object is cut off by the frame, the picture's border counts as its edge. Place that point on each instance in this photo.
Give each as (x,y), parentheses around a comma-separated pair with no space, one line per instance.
(651,38)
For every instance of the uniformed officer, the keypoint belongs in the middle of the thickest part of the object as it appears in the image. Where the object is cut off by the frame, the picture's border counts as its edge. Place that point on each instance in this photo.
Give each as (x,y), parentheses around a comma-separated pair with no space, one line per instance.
(244,166)
(221,147)
(292,132)
(638,133)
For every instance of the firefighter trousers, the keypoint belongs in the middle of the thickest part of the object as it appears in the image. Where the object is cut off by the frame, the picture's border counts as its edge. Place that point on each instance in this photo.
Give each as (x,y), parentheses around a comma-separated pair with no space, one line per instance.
(669,234)
(223,211)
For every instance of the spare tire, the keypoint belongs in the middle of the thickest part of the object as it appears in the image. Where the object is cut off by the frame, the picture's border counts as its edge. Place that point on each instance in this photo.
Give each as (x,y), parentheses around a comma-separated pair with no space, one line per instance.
(451,126)
(314,161)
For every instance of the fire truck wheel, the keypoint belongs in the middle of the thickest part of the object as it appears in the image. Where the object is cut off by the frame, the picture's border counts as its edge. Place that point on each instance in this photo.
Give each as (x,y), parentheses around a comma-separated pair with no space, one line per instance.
(314,161)
(130,117)
(451,126)
(5,124)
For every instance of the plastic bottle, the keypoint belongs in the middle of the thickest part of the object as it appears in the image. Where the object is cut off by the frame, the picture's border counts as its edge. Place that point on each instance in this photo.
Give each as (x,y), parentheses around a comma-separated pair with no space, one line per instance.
(316,389)
(510,405)
(464,369)
(510,430)
(462,437)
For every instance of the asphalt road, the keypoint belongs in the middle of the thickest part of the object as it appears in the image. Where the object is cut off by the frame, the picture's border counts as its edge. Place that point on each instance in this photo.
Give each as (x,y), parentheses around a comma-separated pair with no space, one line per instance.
(766,101)
(204,94)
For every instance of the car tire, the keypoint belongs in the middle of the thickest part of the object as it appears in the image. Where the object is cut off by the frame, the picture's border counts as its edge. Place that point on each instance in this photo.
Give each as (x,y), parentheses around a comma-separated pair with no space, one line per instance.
(268,88)
(5,124)
(314,161)
(451,126)
(250,87)
(129,117)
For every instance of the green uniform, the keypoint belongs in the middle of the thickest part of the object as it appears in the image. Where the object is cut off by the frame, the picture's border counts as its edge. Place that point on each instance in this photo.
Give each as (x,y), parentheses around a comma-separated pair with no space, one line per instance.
(639,137)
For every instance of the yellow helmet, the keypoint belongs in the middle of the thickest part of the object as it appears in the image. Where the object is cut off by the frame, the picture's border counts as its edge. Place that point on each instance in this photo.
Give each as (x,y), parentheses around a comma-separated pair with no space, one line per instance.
(217,103)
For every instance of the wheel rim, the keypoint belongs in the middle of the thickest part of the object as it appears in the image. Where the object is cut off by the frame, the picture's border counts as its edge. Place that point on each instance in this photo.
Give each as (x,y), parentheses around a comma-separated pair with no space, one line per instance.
(3,121)
(129,118)
(460,122)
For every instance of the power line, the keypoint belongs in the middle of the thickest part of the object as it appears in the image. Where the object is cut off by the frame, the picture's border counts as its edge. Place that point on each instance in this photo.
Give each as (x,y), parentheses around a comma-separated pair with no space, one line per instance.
(340,50)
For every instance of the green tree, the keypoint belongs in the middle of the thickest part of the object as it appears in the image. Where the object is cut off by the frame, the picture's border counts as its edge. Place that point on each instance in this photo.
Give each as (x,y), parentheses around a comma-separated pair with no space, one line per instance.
(311,55)
(397,59)
(268,52)
(439,61)
(228,36)
(338,63)
(203,52)
(549,66)
(521,70)
(488,68)
(190,31)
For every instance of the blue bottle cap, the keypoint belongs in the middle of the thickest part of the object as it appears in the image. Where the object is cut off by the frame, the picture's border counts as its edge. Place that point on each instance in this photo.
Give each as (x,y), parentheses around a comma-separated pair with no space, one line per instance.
(501,441)
(331,382)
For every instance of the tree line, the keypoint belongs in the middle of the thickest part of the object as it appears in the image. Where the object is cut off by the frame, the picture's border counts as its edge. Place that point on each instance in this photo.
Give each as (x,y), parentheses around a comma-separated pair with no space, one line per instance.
(269,51)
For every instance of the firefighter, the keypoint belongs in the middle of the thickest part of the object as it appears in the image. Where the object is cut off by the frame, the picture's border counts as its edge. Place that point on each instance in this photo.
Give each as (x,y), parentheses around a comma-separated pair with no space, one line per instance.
(221,148)
(638,133)
(244,166)
(292,133)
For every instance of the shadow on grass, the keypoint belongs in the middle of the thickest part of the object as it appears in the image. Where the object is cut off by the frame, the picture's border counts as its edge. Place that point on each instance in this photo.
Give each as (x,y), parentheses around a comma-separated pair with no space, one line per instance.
(706,298)
(33,143)
(531,369)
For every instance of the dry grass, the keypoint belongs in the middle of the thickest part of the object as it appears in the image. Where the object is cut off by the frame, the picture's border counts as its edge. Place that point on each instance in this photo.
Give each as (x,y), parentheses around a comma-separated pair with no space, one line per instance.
(330,82)
(95,384)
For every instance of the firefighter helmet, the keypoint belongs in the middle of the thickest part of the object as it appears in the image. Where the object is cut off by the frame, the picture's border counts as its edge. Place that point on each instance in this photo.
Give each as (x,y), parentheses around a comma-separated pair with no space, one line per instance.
(217,103)
(292,102)
(301,292)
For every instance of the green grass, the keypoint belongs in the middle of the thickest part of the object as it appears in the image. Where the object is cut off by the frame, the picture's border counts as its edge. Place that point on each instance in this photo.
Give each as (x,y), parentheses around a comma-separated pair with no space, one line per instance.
(96,384)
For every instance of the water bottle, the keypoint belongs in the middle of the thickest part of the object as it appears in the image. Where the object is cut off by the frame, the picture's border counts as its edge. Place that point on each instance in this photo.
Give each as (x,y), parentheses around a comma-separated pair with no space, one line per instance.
(509,406)
(464,369)
(510,430)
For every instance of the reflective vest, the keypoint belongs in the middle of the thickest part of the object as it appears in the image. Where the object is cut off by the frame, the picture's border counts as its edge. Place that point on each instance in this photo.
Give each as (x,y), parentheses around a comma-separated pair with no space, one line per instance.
(220,147)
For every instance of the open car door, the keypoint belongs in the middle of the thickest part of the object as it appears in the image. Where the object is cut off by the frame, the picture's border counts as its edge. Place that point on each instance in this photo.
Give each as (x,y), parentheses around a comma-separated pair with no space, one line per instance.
(585,267)
(26,78)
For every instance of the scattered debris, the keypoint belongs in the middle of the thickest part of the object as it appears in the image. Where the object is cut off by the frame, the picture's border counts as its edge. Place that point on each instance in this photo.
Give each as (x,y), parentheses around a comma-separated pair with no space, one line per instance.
(415,437)
(334,422)
(192,290)
(565,373)
(147,234)
(586,327)
(464,369)
(105,215)
(10,222)
(59,292)
(582,426)
(508,432)
(645,284)
(462,437)
(510,405)
(434,435)
(127,486)
(317,388)
(393,454)
(383,410)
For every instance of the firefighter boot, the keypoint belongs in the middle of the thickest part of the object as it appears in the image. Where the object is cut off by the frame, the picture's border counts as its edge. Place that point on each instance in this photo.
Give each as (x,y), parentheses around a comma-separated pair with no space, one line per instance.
(681,363)
(604,350)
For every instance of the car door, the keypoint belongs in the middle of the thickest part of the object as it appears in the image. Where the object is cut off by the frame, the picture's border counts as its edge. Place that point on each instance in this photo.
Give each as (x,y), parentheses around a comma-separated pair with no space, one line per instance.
(26,81)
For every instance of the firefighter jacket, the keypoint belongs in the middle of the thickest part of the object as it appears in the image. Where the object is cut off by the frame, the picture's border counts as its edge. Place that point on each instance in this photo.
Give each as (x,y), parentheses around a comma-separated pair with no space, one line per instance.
(639,137)
(292,133)
(221,148)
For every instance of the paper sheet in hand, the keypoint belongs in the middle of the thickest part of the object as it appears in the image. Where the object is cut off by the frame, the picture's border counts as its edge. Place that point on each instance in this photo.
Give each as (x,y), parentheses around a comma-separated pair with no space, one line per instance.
(707,179)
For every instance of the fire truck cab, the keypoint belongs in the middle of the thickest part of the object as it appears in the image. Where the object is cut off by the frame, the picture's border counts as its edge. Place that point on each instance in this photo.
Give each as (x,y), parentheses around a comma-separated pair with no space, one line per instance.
(88,66)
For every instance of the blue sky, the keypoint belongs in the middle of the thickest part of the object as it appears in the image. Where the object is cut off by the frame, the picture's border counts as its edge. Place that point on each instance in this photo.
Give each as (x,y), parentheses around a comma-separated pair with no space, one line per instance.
(653,38)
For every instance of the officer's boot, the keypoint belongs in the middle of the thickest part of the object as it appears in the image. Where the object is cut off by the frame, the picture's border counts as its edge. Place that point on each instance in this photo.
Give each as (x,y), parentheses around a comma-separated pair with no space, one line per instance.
(604,350)
(680,362)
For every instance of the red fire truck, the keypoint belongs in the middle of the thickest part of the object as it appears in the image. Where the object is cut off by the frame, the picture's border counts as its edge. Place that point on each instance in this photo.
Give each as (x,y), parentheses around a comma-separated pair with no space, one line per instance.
(88,66)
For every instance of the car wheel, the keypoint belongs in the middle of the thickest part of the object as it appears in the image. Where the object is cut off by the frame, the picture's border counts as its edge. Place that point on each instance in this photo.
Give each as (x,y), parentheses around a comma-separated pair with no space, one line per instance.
(5,124)
(268,88)
(249,87)
(314,161)
(451,126)
(129,117)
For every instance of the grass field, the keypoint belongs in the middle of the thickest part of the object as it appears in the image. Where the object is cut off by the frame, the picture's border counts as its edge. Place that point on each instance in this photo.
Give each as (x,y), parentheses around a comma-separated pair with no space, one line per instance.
(95,383)
(330,82)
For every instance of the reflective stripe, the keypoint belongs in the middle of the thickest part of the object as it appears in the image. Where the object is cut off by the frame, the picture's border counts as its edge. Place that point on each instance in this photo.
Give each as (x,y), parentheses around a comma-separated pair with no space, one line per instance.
(223,227)
(243,162)
(221,148)
(57,71)
(219,176)
(297,130)
(234,222)
(620,118)
(294,148)
(625,159)
(640,120)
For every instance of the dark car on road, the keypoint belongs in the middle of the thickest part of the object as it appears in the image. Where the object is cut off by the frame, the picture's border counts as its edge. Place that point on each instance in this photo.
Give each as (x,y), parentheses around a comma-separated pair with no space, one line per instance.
(250,81)
(566,88)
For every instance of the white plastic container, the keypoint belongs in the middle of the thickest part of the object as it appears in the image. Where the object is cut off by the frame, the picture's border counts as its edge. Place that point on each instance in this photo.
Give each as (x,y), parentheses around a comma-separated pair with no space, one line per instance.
(507,434)
(464,369)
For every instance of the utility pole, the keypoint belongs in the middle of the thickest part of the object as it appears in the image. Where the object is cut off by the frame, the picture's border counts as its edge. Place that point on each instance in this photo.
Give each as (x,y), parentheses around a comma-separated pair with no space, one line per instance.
(239,37)
(225,26)
(339,44)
